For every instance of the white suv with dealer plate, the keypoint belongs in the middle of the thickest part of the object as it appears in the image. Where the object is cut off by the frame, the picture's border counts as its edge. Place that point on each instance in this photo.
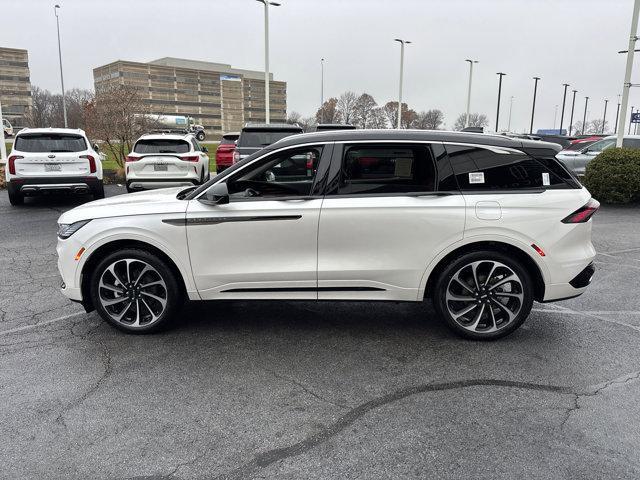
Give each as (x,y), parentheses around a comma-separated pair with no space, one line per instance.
(482,225)
(45,160)
(160,160)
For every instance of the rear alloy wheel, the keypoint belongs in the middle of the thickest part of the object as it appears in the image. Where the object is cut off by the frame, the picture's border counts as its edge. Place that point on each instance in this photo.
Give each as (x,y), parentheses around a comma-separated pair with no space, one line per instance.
(135,291)
(484,295)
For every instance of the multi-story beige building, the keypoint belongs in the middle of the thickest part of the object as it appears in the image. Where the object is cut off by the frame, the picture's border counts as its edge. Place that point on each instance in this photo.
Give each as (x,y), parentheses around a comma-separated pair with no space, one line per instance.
(217,96)
(15,85)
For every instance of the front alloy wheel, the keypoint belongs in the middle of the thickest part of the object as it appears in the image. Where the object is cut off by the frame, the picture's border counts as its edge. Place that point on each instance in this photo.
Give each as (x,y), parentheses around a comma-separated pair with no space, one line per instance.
(484,298)
(135,291)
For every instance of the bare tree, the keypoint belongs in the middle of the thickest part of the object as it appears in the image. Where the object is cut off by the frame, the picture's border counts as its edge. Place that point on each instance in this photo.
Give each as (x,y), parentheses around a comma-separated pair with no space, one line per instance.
(347,106)
(329,113)
(378,119)
(475,120)
(364,111)
(293,118)
(77,100)
(307,123)
(429,120)
(408,118)
(46,109)
(595,126)
(118,116)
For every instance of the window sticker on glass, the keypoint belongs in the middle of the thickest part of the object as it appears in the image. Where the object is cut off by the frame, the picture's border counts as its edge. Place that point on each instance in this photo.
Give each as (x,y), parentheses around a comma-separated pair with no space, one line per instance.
(545,178)
(476,177)
(403,167)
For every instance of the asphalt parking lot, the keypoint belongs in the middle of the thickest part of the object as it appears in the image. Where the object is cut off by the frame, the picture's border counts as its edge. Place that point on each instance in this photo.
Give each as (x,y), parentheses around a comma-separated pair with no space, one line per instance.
(304,390)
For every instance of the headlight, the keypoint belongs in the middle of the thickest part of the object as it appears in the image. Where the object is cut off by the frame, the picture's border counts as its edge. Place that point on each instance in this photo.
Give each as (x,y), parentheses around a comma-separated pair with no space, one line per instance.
(65,230)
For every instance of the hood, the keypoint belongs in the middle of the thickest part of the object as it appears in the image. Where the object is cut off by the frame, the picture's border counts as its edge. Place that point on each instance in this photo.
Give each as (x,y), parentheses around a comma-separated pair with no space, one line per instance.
(141,203)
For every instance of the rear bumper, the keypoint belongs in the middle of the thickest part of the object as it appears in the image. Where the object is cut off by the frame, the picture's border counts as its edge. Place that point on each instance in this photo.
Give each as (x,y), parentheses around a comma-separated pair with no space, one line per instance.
(141,184)
(40,185)
(574,288)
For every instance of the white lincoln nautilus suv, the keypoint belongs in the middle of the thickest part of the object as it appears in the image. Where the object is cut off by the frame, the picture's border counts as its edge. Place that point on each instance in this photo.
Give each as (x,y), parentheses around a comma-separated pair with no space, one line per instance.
(483,225)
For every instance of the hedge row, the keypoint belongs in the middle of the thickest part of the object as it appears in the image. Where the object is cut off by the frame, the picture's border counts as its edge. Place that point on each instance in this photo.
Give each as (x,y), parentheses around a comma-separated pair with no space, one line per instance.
(614,176)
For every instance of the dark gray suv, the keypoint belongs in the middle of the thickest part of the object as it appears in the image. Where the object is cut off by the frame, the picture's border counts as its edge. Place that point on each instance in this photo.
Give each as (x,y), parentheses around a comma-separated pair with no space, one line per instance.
(256,136)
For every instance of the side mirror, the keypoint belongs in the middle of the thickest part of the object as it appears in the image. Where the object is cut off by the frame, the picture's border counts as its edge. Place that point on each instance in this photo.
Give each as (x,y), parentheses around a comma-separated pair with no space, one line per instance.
(216,195)
(96,147)
(205,149)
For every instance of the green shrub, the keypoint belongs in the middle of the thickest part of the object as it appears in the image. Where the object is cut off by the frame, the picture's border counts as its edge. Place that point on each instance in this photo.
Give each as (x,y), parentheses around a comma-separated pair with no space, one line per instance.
(614,176)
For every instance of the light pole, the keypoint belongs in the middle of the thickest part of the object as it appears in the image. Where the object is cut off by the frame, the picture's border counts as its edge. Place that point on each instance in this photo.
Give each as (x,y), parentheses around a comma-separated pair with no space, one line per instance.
(402,44)
(3,147)
(628,69)
(266,4)
(471,62)
(604,115)
(615,129)
(322,90)
(64,102)
(533,107)
(584,117)
(564,99)
(573,104)
(500,75)
(510,108)
(555,116)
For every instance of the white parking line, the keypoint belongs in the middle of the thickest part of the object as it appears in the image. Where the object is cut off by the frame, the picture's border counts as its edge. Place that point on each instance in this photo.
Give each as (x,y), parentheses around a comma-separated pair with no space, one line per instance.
(41,324)
(594,314)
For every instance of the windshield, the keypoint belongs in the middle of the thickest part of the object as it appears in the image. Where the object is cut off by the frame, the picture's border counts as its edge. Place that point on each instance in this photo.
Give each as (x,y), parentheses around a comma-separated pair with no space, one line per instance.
(579,145)
(50,142)
(161,145)
(262,138)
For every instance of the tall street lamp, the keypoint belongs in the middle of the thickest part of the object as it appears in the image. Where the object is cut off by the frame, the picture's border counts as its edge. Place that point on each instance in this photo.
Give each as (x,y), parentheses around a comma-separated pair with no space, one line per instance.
(604,115)
(500,75)
(3,147)
(533,107)
(266,4)
(402,44)
(555,116)
(564,99)
(615,129)
(584,117)
(573,104)
(628,69)
(64,102)
(322,90)
(471,62)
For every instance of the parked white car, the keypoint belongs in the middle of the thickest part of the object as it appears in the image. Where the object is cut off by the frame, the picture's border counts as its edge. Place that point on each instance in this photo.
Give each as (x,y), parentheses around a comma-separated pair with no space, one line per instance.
(160,160)
(483,225)
(45,160)
(577,160)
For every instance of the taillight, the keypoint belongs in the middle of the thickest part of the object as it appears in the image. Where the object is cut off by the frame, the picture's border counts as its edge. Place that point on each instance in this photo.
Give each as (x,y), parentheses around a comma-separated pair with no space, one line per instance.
(12,163)
(92,163)
(236,156)
(132,158)
(190,158)
(583,214)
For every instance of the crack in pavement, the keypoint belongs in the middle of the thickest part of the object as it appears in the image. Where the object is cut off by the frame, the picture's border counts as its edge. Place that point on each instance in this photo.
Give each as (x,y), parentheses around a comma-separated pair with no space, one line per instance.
(265,459)
(305,389)
(595,390)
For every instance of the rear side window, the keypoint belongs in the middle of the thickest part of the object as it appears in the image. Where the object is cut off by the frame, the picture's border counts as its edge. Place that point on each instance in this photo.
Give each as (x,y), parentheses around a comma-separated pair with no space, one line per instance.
(483,169)
(263,138)
(161,145)
(50,142)
(386,169)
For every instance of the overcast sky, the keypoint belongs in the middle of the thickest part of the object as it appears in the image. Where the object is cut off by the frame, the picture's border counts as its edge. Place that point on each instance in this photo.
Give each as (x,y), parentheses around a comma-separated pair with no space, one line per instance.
(562,41)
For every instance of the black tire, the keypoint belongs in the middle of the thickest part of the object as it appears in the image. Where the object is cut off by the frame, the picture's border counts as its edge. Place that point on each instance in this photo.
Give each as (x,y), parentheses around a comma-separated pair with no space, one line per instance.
(15,197)
(98,191)
(516,301)
(149,321)
(200,136)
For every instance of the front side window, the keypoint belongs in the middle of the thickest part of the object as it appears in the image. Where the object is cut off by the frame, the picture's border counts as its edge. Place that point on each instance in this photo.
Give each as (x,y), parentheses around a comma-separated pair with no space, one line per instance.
(285,174)
(161,145)
(483,169)
(601,145)
(50,142)
(386,169)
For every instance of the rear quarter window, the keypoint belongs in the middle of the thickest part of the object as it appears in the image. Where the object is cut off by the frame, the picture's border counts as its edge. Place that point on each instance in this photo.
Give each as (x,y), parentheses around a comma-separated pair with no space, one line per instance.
(50,142)
(478,169)
(161,146)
